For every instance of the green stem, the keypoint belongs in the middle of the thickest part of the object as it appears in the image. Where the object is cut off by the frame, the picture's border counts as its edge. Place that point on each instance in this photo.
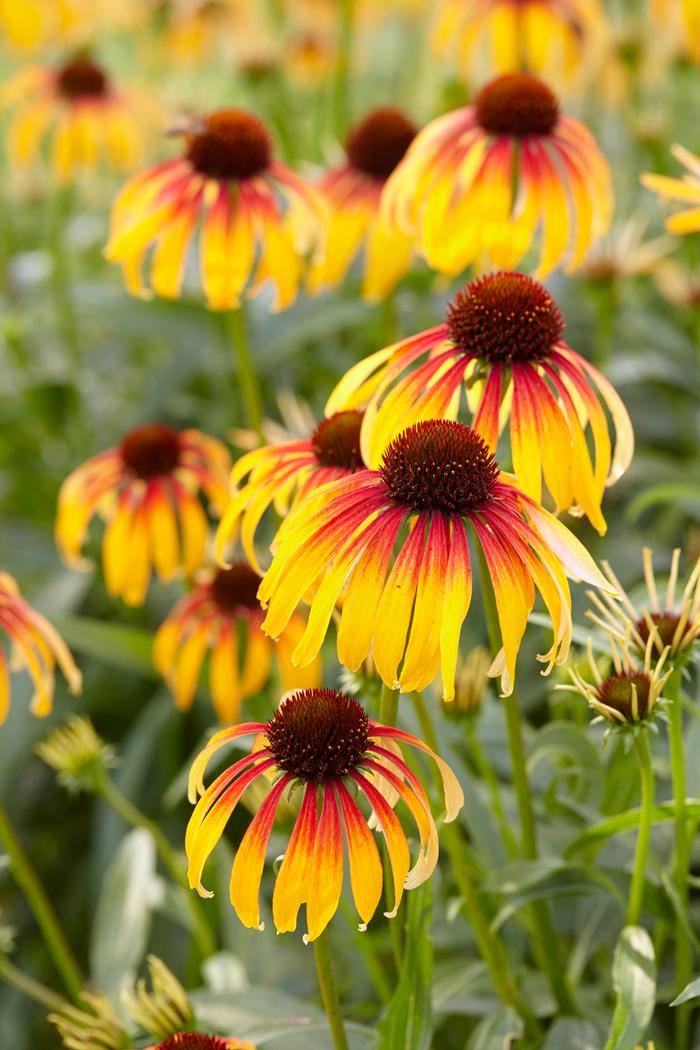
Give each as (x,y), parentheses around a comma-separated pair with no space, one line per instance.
(237,334)
(111,794)
(42,909)
(329,992)
(639,874)
(544,935)
(29,987)
(487,774)
(61,275)
(341,87)
(388,713)
(684,961)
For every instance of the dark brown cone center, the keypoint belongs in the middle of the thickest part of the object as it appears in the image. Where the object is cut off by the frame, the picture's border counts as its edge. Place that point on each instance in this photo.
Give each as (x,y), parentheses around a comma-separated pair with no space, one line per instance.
(151,450)
(229,144)
(318,734)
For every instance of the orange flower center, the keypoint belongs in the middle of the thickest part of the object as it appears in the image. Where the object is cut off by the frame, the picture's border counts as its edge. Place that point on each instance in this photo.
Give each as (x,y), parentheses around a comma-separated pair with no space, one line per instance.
(236,587)
(379,142)
(336,441)
(193,1041)
(617,692)
(665,623)
(151,450)
(229,144)
(82,77)
(517,104)
(439,465)
(505,317)
(318,734)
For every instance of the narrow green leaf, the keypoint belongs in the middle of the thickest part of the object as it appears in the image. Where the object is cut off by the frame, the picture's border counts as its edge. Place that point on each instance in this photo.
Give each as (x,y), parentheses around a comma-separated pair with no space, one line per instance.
(123,916)
(126,648)
(569,1033)
(634,981)
(691,991)
(627,821)
(407,1024)
(497,1032)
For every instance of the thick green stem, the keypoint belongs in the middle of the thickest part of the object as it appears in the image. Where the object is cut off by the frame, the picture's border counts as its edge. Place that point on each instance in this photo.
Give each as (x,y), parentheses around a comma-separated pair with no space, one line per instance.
(46,918)
(641,856)
(29,987)
(237,333)
(490,948)
(681,860)
(329,992)
(108,790)
(544,935)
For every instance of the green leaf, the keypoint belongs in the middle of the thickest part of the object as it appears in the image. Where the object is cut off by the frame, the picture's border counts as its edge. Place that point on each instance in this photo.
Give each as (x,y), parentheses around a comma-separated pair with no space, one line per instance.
(679,494)
(407,1024)
(571,754)
(497,1032)
(123,916)
(569,1033)
(634,981)
(691,991)
(126,648)
(522,882)
(627,821)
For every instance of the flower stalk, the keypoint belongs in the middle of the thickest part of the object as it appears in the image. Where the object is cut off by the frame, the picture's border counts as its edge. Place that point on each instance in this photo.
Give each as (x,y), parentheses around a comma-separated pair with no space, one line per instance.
(641,857)
(329,991)
(237,333)
(43,911)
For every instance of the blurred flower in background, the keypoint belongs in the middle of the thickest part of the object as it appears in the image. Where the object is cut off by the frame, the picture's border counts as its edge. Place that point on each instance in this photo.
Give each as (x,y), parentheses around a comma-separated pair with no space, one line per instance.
(686,190)
(146,490)
(221,617)
(435,479)
(85,119)
(77,754)
(480,181)
(503,339)
(228,183)
(623,252)
(35,646)
(552,37)
(373,149)
(325,743)
(282,474)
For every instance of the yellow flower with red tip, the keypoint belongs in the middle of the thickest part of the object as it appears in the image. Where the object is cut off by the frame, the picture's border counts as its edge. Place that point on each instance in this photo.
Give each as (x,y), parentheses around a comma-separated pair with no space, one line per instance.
(544,36)
(210,620)
(686,190)
(481,181)
(502,341)
(84,118)
(201,1041)
(288,472)
(34,645)
(373,149)
(146,489)
(326,744)
(255,219)
(393,543)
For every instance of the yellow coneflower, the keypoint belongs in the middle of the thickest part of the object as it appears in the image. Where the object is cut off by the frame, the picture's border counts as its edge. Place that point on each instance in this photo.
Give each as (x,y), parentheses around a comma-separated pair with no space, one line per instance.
(437,481)
(503,341)
(479,182)
(325,743)
(555,37)
(672,622)
(34,645)
(286,473)
(85,119)
(373,149)
(146,490)
(678,284)
(221,617)
(257,221)
(686,189)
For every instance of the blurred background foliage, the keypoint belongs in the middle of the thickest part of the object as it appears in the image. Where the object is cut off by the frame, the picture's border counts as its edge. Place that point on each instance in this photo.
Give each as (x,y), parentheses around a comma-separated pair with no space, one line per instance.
(81,363)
